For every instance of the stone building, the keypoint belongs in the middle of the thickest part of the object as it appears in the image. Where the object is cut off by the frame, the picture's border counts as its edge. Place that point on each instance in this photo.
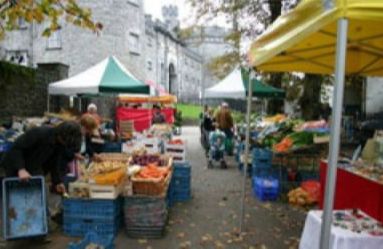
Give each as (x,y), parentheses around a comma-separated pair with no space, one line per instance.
(209,42)
(169,62)
(150,49)
(122,36)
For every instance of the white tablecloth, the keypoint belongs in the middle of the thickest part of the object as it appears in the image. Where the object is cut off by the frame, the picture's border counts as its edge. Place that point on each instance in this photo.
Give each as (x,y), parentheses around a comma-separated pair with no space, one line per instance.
(340,238)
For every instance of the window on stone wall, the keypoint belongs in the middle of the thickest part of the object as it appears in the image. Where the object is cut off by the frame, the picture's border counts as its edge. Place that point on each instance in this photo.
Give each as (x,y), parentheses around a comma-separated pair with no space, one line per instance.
(150,42)
(149,65)
(134,43)
(22,23)
(17,57)
(54,41)
(134,2)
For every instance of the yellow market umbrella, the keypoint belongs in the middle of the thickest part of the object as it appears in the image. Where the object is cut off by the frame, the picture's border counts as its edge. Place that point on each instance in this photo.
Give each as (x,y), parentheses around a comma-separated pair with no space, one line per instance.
(305,39)
(326,37)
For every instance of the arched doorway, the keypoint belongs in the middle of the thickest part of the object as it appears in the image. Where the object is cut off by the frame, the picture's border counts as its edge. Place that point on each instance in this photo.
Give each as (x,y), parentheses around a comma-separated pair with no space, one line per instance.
(172,79)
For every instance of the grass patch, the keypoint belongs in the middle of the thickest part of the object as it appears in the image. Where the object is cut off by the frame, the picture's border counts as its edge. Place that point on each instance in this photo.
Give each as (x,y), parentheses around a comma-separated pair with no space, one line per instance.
(191,112)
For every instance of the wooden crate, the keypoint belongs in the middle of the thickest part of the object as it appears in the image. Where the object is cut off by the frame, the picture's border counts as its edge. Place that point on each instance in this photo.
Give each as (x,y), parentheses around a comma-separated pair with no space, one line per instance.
(97,191)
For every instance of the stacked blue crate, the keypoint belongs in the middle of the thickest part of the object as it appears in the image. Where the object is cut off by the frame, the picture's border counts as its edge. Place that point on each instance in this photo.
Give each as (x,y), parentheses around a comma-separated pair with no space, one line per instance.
(261,162)
(85,215)
(266,188)
(181,182)
(106,242)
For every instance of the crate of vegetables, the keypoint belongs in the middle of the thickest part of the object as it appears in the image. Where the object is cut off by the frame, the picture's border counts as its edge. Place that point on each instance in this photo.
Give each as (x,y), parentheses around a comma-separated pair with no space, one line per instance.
(176,148)
(116,157)
(151,144)
(152,180)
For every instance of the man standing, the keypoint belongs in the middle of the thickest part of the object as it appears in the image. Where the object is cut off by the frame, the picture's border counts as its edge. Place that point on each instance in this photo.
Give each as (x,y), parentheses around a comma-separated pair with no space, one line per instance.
(225,123)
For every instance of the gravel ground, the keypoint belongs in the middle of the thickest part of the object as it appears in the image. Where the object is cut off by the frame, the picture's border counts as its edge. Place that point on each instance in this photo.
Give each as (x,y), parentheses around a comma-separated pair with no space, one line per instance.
(211,219)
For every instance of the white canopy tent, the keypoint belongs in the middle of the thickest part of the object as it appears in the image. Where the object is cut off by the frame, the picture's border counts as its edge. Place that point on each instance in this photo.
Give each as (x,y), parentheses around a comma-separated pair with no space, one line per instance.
(229,87)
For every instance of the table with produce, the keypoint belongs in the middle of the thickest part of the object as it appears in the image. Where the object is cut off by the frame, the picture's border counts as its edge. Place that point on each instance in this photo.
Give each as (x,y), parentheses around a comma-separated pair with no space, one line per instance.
(351,229)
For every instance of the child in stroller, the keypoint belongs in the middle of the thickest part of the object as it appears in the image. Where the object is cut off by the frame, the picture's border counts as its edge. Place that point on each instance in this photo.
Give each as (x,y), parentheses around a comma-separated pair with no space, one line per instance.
(217,148)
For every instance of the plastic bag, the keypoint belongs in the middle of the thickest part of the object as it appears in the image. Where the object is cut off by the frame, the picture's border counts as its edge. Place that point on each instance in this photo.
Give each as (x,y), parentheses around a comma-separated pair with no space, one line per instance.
(313,190)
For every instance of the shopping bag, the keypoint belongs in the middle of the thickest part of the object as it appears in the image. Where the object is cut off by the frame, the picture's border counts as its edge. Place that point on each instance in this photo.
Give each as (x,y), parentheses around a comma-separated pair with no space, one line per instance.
(369,151)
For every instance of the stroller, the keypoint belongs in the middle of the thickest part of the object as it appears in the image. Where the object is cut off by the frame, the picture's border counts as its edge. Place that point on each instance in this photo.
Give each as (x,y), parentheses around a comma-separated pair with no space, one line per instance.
(216,148)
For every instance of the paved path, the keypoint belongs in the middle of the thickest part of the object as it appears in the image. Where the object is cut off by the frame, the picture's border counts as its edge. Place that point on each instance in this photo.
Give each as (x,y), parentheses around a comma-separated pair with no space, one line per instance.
(211,218)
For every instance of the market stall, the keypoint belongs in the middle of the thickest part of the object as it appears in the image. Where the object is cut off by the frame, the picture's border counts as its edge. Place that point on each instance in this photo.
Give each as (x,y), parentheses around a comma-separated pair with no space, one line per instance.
(234,86)
(107,77)
(142,117)
(316,37)
(351,229)
(359,187)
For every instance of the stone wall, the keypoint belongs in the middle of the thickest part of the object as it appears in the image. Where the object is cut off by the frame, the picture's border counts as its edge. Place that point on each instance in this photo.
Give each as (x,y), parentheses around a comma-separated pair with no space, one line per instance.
(23,91)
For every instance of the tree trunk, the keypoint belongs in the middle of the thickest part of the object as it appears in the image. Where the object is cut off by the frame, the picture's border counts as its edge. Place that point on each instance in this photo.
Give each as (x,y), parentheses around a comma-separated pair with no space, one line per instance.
(310,101)
(276,105)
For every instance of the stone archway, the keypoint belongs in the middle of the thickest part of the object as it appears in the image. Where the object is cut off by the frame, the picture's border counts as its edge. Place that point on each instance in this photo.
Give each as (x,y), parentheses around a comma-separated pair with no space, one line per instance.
(172,79)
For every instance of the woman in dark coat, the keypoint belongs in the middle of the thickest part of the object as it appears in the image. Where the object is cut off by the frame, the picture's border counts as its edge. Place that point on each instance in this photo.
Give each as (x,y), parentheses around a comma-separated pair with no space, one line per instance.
(42,151)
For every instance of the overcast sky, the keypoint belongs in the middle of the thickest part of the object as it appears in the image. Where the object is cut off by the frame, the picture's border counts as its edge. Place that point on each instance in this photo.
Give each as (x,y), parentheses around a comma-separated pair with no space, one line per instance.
(154,7)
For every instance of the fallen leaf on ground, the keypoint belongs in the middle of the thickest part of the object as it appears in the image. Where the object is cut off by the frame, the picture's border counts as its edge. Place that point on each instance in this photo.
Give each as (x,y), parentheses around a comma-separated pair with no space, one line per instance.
(222,204)
(181,235)
(185,245)
(142,241)
(192,225)
(218,244)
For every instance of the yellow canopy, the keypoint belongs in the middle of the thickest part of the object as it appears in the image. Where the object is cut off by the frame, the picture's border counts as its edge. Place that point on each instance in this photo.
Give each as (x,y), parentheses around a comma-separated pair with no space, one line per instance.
(166,99)
(304,40)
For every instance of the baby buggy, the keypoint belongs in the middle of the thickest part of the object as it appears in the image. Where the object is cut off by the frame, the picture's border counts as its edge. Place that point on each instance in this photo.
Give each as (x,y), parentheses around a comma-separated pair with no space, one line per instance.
(216,148)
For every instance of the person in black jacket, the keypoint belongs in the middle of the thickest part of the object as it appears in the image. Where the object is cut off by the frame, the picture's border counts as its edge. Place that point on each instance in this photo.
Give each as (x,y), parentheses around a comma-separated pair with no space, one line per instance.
(44,150)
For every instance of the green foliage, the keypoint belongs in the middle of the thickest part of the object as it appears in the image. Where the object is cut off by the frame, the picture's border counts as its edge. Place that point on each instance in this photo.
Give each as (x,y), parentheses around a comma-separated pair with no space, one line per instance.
(49,11)
(191,112)
(13,74)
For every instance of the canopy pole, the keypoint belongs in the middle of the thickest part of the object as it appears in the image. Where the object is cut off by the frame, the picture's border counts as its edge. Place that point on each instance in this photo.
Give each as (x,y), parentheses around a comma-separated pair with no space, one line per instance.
(335,133)
(48,102)
(79,103)
(247,145)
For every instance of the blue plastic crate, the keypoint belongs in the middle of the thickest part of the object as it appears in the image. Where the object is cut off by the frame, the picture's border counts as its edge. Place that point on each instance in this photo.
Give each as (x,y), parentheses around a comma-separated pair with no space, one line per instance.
(266,188)
(262,154)
(107,242)
(24,208)
(261,164)
(92,209)
(115,147)
(181,170)
(180,197)
(181,183)
(4,147)
(78,227)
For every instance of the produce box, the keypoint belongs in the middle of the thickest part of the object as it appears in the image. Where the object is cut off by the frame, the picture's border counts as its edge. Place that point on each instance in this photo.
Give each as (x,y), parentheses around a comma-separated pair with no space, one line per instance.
(151,187)
(91,209)
(266,189)
(92,238)
(85,215)
(181,182)
(110,192)
(152,145)
(77,227)
(119,157)
(145,217)
(24,208)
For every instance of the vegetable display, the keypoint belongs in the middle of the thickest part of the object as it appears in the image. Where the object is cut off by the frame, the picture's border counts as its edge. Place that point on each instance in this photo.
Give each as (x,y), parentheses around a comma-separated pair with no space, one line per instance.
(153,172)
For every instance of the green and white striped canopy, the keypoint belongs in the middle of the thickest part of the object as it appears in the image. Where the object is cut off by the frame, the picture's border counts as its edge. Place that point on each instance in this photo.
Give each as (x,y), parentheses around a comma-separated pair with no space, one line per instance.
(108,76)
